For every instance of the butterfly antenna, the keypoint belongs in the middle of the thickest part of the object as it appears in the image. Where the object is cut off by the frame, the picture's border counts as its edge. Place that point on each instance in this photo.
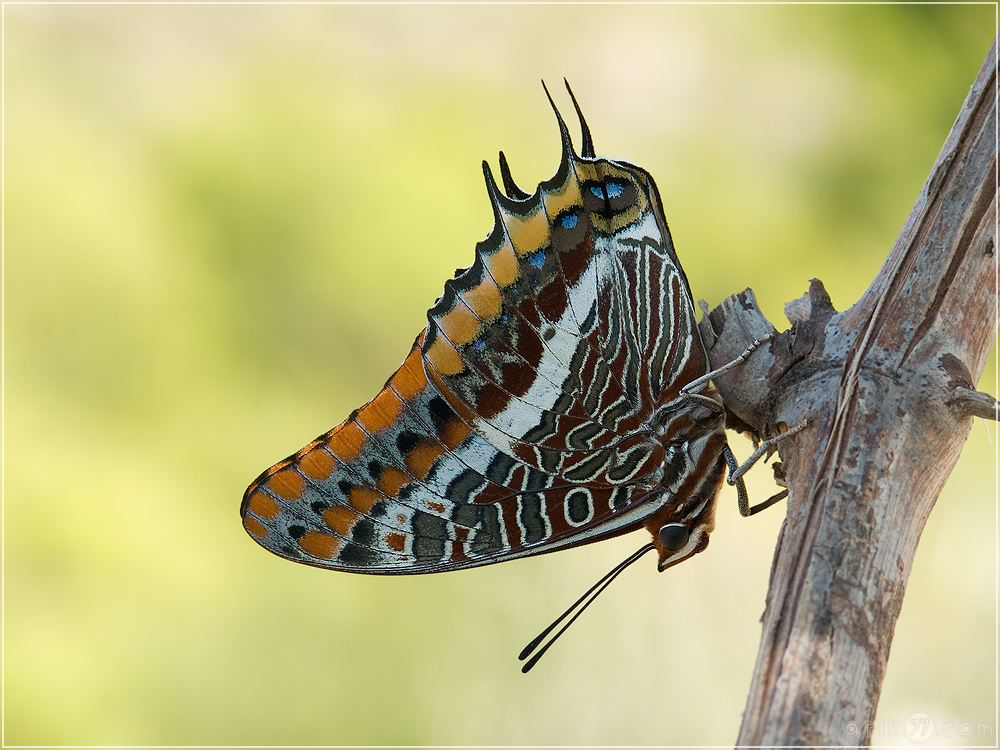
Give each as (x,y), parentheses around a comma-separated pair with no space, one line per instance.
(579,605)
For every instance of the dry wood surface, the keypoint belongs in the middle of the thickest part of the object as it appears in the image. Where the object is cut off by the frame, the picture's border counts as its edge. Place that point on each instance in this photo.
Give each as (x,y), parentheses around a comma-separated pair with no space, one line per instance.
(888,391)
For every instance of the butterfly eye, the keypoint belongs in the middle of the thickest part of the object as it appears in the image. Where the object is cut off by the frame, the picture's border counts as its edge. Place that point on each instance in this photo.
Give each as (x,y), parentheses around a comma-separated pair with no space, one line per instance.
(674,536)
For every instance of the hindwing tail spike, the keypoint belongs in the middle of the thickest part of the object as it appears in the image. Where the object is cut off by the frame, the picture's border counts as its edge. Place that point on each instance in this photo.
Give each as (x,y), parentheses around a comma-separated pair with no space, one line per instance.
(568,154)
(513,191)
(587,146)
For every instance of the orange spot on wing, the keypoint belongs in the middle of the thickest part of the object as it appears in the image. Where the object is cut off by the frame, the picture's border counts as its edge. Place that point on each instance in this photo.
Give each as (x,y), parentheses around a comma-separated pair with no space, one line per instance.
(422,457)
(255,527)
(287,484)
(557,201)
(340,519)
(363,498)
(439,507)
(410,378)
(391,481)
(454,432)
(396,542)
(459,324)
(484,299)
(345,442)
(380,412)
(445,357)
(317,464)
(262,506)
(319,545)
(502,265)
(528,234)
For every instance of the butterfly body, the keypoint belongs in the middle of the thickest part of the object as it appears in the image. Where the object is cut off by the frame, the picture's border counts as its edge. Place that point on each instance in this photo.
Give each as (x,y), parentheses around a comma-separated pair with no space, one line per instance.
(540,409)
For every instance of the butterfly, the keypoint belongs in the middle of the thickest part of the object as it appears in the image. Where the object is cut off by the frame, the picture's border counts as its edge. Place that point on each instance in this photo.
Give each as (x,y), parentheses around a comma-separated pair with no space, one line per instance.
(559,395)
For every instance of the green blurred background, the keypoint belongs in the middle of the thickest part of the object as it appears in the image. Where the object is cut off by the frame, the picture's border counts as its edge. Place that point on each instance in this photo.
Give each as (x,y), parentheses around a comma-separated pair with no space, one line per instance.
(224,225)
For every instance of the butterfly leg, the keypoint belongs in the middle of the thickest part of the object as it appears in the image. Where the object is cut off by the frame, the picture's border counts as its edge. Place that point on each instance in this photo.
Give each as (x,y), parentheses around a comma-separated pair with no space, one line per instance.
(742,498)
(737,470)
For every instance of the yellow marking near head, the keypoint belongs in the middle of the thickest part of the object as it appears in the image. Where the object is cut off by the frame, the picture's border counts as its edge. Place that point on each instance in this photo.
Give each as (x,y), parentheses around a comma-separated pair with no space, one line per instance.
(380,412)
(339,519)
(484,299)
(391,481)
(502,265)
(363,498)
(262,506)
(444,357)
(410,378)
(287,484)
(345,442)
(420,459)
(319,545)
(255,527)
(317,464)
(459,325)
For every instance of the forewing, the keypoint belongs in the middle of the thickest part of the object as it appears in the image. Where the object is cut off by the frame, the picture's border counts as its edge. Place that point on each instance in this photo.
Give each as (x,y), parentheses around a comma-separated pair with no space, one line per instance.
(519,422)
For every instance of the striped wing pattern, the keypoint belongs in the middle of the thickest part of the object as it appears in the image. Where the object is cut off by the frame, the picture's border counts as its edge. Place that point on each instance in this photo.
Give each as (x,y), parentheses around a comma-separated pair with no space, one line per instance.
(539,409)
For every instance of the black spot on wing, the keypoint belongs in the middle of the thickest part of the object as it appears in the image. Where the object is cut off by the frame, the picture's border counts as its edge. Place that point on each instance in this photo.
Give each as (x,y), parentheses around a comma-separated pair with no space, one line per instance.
(440,412)
(530,515)
(363,532)
(464,486)
(578,507)
(429,534)
(355,554)
(500,468)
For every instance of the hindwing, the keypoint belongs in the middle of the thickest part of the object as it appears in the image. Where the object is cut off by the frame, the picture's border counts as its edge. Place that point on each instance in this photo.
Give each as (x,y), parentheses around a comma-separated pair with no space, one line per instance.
(522,420)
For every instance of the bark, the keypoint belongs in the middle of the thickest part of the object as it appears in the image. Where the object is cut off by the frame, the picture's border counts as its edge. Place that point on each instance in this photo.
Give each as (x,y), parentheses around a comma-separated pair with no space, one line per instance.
(888,391)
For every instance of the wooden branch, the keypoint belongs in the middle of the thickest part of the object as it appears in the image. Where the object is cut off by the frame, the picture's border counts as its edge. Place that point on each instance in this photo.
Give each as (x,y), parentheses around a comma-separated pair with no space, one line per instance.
(887,388)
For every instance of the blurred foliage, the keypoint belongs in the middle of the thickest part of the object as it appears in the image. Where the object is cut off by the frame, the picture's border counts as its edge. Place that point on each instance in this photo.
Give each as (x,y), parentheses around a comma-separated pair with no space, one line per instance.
(223,227)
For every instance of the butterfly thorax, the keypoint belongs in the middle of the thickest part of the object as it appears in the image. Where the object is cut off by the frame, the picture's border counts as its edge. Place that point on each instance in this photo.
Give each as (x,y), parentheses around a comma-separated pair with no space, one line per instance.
(693,440)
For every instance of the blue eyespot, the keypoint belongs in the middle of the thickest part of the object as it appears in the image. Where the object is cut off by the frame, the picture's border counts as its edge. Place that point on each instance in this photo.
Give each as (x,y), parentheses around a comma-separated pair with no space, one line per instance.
(597,191)
(569,221)
(537,259)
(615,189)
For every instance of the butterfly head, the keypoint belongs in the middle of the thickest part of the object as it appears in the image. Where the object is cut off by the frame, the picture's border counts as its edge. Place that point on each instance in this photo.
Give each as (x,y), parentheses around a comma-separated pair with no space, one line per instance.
(694,468)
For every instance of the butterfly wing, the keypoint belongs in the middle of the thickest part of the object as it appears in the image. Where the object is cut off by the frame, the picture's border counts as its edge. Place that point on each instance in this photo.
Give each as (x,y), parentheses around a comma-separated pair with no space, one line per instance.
(520,422)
